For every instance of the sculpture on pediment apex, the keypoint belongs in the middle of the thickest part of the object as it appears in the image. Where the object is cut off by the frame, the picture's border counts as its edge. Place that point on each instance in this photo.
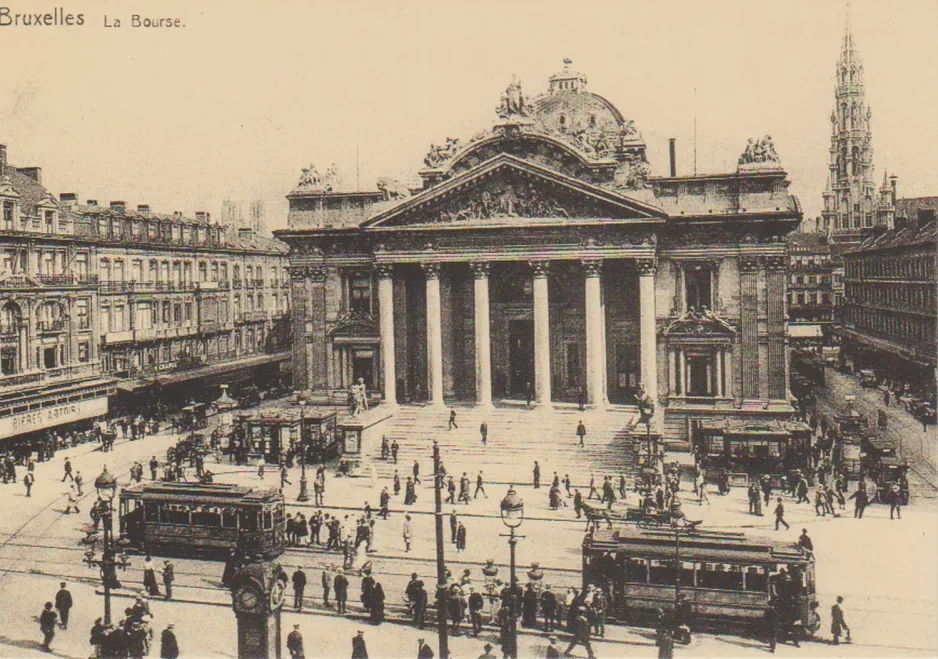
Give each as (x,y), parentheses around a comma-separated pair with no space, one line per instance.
(512,103)
(759,151)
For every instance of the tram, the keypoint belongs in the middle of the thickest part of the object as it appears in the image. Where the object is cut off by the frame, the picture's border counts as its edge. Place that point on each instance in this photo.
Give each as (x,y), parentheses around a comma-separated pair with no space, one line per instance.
(187,518)
(727,578)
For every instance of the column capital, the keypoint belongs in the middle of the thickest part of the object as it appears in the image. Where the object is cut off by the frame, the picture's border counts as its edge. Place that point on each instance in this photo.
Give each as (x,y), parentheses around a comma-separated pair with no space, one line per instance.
(317,272)
(385,270)
(776,263)
(539,268)
(749,263)
(646,267)
(592,267)
(430,270)
(480,270)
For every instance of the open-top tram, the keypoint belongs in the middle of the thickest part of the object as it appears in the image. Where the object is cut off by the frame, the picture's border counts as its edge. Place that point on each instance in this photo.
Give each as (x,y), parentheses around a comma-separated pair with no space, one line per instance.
(727,578)
(188,518)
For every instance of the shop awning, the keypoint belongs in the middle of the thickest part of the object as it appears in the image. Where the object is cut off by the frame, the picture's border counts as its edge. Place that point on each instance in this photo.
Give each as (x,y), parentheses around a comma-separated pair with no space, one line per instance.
(204,371)
(805,331)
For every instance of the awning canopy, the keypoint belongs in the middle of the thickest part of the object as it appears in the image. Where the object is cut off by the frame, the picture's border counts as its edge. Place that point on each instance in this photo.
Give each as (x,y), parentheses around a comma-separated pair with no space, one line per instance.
(204,371)
(805,331)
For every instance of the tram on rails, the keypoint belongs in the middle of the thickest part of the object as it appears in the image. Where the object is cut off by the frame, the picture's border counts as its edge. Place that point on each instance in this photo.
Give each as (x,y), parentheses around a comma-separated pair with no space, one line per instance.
(187,518)
(729,579)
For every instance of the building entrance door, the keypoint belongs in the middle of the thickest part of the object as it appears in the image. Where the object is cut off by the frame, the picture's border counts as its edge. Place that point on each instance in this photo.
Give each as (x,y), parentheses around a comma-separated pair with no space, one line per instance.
(363,367)
(520,357)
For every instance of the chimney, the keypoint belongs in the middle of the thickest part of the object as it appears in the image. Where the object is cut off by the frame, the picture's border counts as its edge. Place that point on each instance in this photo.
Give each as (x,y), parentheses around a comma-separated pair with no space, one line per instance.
(118,206)
(892,184)
(68,197)
(245,232)
(91,202)
(672,153)
(35,173)
(143,209)
(3,157)
(177,215)
(201,216)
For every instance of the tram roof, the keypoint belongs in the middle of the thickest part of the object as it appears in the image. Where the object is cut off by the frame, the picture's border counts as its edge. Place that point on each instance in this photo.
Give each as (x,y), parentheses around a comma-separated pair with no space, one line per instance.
(699,545)
(220,493)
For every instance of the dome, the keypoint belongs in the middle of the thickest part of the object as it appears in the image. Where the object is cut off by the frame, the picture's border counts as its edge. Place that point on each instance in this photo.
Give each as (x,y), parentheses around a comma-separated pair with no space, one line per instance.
(568,107)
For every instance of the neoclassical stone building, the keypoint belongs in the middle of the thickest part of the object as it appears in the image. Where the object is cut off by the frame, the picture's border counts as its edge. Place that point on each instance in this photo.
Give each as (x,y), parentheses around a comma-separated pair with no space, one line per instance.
(540,255)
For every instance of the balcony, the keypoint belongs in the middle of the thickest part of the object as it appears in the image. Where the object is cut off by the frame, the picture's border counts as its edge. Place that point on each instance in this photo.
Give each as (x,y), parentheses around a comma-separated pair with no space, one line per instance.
(206,286)
(113,287)
(51,326)
(252,317)
(122,336)
(236,284)
(224,285)
(9,331)
(259,283)
(31,378)
(48,281)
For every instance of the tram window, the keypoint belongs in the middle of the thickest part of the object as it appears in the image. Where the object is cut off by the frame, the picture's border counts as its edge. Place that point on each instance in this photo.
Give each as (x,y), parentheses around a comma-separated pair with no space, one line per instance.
(720,577)
(206,516)
(248,520)
(152,512)
(636,570)
(172,514)
(268,519)
(756,580)
(661,572)
(687,573)
(229,518)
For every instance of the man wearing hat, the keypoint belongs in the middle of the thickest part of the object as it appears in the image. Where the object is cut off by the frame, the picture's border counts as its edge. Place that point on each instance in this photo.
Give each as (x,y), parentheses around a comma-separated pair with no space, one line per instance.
(295,643)
(359,651)
(488,652)
(475,610)
(424,651)
(63,604)
(340,588)
(169,648)
(168,578)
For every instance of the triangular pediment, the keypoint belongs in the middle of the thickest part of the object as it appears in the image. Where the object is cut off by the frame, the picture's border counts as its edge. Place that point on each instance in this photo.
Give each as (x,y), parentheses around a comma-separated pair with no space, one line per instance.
(510,190)
(699,325)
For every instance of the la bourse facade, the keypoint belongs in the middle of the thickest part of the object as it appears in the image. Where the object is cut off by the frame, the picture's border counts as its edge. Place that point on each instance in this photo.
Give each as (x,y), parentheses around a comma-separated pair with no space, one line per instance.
(540,256)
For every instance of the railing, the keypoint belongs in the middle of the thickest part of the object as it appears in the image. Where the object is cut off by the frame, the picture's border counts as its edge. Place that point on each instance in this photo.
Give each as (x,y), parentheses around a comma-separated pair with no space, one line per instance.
(58,373)
(252,316)
(20,379)
(48,326)
(25,281)
(9,331)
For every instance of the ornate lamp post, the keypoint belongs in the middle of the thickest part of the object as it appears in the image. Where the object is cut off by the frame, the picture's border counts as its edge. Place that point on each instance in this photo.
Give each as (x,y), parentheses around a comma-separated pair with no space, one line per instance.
(441,611)
(512,511)
(106,486)
(304,493)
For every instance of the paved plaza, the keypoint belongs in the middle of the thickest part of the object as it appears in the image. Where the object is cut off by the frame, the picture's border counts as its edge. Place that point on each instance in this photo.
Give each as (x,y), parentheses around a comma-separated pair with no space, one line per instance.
(867,561)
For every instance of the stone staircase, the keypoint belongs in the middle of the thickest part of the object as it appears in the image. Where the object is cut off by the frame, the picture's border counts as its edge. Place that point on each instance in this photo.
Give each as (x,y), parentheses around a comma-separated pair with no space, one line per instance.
(517,436)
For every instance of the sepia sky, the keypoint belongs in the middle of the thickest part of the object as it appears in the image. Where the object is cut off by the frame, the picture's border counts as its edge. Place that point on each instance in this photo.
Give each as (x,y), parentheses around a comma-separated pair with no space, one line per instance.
(234,103)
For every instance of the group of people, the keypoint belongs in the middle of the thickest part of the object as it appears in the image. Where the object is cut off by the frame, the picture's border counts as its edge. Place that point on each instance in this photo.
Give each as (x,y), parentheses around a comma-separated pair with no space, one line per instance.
(132,636)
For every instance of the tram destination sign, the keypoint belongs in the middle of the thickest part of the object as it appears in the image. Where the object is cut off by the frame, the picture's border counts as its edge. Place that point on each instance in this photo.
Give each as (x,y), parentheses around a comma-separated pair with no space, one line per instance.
(48,417)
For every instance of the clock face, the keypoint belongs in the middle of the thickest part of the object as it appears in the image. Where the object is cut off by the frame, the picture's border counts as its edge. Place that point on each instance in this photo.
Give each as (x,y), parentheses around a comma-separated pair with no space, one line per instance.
(277,595)
(247,599)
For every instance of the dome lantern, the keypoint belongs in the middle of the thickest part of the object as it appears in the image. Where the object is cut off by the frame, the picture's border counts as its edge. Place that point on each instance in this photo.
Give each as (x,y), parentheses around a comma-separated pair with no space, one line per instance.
(567,80)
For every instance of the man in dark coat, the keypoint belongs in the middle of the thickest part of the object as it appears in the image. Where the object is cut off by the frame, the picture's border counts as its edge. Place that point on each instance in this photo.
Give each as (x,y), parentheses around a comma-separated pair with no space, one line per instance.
(578,503)
(420,605)
(340,587)
(377,604)
(424,651)
(581,633)
(537,475)
(461,537)
(359,651)
(581,432)
(529,607)
(475,610)
(368,587)
(299,585)
(838,625)
(295,643)
(168,578)
(549,608)
(63,604)
(484,432)
(453,526)
(862,500)
(47,625)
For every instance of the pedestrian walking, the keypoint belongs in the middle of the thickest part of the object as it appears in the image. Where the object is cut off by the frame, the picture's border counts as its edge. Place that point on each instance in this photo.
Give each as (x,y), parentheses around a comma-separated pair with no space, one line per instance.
(408,532)
(895,502)
(72,500)
(28,481)
(283,477)
(299,585)
(537,475)
(154,465)
(47,626)
(168,578)
(461,537)
(63,604)
(384,501)
(578,503)
(664,639)
(359,651)
(452,420)
(78,482)
(149,577)
(260,468)
(838,624)
(592,492)
(780,515)
(326,585)
(340,588)
(581,633)
(528,393)
(861,501)
(581,432)
(169,647)
(484,432)
(295,643)
(68,471)
(394,449)
(479,487)
(453,526)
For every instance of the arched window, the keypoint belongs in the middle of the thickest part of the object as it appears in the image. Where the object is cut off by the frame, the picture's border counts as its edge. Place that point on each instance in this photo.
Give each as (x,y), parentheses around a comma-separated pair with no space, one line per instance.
(856,161)
(10,316)
(563,123)
(843,117)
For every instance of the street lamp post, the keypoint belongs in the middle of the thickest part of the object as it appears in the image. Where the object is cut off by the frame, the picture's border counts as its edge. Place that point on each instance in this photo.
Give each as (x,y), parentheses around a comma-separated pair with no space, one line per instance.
(440,559)
(106,486)
(512,512)
(304,493)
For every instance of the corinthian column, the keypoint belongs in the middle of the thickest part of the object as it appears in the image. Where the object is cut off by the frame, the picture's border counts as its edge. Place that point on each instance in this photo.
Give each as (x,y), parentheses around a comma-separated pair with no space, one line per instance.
(646,291)
(434,334)
(483,335)
(595,319)
(386,327)
(541,334)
